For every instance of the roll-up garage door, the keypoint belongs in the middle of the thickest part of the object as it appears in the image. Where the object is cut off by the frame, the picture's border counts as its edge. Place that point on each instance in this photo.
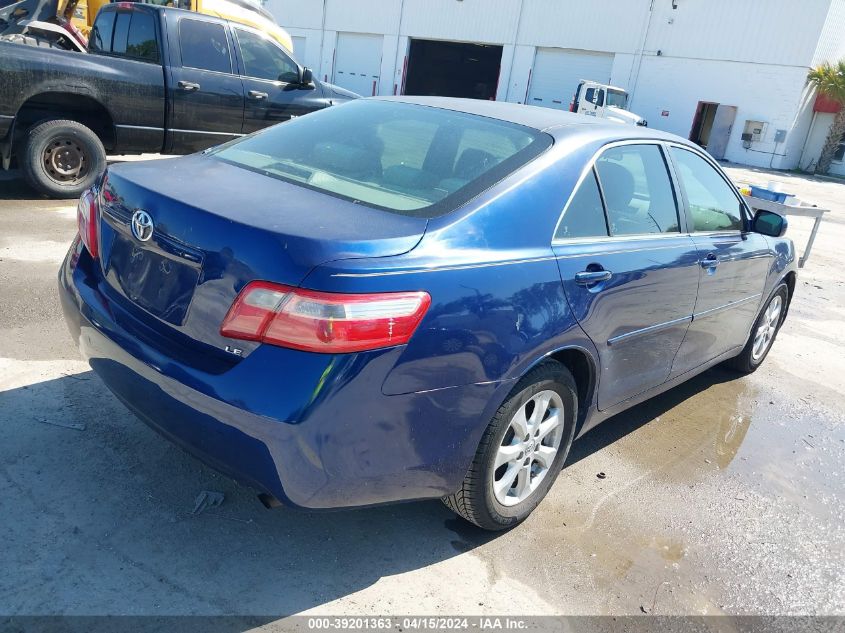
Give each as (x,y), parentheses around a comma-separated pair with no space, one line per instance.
(357,63)
(557,71)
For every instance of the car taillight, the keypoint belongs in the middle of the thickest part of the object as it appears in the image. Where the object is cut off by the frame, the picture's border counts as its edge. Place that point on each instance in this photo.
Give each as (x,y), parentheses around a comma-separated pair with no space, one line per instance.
(572,106)
(87,219)
(325,322)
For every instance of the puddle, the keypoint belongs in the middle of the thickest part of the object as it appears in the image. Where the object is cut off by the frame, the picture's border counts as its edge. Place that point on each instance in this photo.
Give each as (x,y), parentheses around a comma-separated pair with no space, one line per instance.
(713,490)
(698,427)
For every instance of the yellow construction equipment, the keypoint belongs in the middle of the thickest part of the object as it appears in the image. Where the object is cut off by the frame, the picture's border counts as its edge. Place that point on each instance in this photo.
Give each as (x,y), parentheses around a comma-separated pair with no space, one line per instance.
(240,11)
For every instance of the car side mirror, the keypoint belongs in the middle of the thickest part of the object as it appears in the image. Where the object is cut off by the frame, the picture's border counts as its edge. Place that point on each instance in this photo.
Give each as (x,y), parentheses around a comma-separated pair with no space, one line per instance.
(307,77)
(769,223)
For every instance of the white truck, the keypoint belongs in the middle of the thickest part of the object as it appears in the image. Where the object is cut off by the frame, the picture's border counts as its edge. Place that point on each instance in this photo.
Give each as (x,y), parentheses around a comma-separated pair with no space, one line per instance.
(603,101)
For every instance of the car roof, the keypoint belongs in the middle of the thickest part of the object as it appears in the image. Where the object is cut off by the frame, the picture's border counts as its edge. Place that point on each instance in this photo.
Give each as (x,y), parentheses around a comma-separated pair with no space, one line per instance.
(557,123)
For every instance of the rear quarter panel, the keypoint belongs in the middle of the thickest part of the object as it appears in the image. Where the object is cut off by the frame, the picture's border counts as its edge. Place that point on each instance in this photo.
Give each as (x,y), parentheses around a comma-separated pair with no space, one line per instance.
(498,305)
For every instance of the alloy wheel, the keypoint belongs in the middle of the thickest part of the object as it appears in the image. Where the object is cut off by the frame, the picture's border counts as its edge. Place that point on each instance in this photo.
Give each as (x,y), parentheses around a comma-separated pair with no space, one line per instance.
(528,448)
(765,333)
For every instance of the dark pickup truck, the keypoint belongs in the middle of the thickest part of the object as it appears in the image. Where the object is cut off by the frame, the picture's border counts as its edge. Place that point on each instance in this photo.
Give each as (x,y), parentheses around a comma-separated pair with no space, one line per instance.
(155,79)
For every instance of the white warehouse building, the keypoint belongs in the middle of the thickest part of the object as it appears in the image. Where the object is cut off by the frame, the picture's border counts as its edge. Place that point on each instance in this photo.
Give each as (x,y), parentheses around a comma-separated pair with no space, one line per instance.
(709,70)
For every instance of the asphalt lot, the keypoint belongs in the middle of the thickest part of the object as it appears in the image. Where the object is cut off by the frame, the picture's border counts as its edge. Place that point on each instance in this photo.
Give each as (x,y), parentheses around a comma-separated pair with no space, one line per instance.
(724,495)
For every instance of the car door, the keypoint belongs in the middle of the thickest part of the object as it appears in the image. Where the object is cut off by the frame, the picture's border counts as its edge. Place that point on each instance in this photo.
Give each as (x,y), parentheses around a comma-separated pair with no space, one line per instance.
(271,80)
(733,261)
(128,35)
(588,104)
(207,97)
(629,270)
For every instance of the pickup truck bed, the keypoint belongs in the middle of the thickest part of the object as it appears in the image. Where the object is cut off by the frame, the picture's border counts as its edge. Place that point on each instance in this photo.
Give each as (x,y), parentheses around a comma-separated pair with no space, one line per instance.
(156,79)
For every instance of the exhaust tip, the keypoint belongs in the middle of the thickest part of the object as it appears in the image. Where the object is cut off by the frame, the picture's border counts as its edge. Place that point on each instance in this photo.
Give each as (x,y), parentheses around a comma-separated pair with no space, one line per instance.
(269,501)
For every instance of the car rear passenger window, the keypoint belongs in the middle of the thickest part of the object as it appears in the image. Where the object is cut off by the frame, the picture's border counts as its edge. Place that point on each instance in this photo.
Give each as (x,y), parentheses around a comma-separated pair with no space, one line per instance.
(100,41)
(584,216)
(204,46)
(713,203)
(121,33)
(637,190)
(141,42)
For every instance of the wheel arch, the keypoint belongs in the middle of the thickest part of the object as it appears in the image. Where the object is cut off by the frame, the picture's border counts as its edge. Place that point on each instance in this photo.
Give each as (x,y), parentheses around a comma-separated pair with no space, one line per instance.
(72,106)
(583,366)
(790,279)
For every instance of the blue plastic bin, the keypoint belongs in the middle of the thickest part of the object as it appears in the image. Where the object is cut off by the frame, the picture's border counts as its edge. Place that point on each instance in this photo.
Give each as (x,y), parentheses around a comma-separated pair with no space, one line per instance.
(768,194)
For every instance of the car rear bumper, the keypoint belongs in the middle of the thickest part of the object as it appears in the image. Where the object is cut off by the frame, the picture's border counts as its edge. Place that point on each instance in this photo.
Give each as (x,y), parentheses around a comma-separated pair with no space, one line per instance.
(311,434)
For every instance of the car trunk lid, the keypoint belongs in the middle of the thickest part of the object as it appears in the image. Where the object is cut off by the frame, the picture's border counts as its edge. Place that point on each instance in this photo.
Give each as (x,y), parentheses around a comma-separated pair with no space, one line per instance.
(217,227)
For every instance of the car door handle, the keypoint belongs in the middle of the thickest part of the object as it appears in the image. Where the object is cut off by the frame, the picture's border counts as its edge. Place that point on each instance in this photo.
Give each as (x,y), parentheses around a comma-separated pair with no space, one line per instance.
(188,86)
(257,95)
(711,261)
(589,277)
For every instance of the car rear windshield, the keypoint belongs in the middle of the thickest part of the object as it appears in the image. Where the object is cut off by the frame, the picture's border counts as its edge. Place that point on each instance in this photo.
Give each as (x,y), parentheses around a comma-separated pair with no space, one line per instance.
(404,158)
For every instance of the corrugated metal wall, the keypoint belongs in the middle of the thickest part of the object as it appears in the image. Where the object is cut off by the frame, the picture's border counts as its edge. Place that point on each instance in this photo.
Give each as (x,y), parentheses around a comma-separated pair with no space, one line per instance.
(831,46)
(372,16)
(298,14)
(669,54)
(781,32)
(484,21)
(613,26)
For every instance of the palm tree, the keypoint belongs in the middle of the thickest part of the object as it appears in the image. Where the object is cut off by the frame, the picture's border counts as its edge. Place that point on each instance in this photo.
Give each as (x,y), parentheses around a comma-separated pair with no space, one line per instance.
(829,80)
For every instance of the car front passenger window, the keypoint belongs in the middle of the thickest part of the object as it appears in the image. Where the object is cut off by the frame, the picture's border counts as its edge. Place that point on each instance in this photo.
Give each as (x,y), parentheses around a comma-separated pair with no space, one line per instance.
(713,203)
(264,60)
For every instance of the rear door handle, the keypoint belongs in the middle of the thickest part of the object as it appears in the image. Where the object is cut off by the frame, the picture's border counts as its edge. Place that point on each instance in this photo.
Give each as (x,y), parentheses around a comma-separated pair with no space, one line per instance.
(589,277)
(188,86)
(256,94)
(711,261)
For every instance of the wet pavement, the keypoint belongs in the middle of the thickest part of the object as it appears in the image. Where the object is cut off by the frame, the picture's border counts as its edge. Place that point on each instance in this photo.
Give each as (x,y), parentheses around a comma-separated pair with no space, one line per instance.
(723,495)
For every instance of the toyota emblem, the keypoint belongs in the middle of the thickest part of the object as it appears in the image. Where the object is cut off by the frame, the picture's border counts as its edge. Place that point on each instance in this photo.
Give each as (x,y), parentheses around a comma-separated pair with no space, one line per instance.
(142,225)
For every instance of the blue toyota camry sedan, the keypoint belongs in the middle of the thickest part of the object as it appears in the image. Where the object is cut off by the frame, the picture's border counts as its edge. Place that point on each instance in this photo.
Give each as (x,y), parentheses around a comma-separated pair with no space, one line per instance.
(409,298)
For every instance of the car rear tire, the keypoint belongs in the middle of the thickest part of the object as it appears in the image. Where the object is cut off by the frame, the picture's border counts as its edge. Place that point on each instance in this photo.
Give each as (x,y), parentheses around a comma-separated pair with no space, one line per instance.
(763,333)
(521,452)
(61,158)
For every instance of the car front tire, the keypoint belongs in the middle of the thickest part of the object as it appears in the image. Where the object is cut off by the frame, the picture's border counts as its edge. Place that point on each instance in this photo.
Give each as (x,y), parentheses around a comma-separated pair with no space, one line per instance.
(521,452)
(763,333)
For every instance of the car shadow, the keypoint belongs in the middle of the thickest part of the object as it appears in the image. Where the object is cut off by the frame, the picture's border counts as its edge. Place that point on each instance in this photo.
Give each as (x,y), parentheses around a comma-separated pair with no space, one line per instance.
(100,513)
(13,187)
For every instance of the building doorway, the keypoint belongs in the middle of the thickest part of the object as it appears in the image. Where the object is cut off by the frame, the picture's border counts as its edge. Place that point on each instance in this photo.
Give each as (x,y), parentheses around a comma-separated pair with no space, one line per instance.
(712,127)
(453,69)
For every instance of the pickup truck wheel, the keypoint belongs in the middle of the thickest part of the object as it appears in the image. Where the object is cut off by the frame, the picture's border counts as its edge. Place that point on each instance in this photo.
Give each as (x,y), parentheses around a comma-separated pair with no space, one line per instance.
(522,450)
(61,159)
